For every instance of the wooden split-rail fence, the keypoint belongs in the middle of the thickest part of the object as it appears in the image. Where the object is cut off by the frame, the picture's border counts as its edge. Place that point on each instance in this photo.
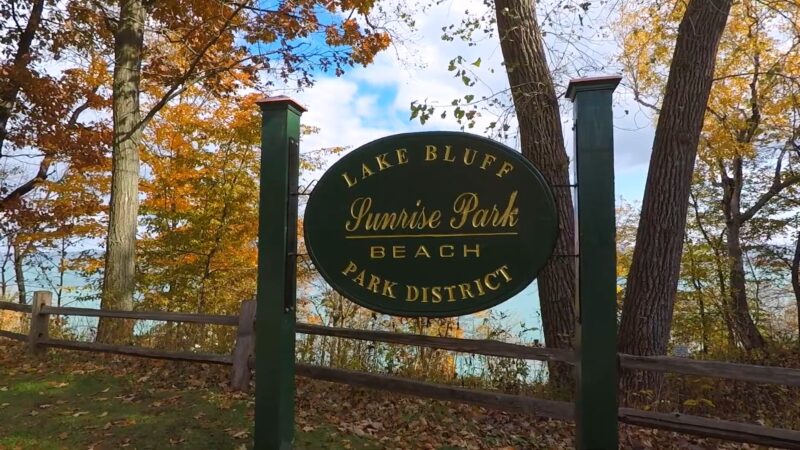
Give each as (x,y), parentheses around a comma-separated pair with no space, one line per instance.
(241,360)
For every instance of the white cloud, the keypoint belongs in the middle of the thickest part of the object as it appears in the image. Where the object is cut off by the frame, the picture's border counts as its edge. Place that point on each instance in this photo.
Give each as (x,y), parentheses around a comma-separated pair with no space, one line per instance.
(368,103)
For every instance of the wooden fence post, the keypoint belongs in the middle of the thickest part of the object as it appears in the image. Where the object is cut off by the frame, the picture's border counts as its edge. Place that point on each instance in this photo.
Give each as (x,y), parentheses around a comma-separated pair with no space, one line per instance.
(39,322)
(245,346)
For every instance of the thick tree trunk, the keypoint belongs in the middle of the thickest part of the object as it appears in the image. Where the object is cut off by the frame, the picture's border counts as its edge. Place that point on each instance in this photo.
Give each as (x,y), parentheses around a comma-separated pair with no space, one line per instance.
(539,120)
(19,272)
(653,278)
(796,281)
(119,279)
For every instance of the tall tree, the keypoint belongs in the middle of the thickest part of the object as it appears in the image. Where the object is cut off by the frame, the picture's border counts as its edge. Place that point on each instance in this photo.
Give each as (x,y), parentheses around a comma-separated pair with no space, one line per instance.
(655,267)
(537,110)
(745,166)
(119,277)
(199,43)
(43,128)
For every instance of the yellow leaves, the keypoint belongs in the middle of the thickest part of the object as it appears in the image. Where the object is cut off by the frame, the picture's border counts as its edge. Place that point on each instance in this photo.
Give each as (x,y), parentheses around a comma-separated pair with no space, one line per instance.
(752,70)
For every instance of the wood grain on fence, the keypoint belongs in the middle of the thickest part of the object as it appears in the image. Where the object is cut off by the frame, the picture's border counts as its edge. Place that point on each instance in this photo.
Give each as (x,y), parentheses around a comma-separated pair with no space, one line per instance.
(245,347)
(18,307)
(211,358)
(212,319)
(487,399)
(713,428)
(40,322)
(476,346)
(715,369)
(12,335)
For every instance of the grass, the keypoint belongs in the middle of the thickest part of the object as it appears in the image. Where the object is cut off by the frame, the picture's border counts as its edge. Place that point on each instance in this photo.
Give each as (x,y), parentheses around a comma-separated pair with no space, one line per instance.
(90,408)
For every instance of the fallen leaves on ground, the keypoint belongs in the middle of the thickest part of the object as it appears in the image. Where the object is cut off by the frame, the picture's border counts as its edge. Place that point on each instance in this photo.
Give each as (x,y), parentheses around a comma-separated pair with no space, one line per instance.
(330,416)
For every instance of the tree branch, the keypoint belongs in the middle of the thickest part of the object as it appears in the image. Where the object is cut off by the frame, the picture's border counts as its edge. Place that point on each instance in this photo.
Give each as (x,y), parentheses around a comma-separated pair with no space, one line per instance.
(182,83)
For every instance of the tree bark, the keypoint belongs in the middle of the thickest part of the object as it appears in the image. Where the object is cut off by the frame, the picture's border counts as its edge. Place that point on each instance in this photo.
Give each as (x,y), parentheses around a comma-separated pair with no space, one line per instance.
(653,278)
(746,331)
(743,326)
(537,109)
(6,259)
(19,272)
(796,281)
(119,278)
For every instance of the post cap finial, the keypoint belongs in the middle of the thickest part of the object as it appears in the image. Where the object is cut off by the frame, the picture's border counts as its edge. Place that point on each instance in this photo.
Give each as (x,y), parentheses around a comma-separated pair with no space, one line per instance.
(280,101)
(576,85)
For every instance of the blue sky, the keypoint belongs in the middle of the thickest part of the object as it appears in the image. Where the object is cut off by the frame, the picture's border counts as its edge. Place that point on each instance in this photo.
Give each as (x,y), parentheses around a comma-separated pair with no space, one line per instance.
(368,103)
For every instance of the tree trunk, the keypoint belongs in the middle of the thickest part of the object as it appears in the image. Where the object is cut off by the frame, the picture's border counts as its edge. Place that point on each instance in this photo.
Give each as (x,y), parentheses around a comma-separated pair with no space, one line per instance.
(542,140)
(19,273)
(796,281)
(6,259)
(119,279)
(743,327)
(653,278)
(746,331)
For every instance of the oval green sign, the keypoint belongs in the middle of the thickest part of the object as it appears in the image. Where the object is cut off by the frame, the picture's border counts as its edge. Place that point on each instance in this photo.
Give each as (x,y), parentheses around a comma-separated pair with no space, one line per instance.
(432,224)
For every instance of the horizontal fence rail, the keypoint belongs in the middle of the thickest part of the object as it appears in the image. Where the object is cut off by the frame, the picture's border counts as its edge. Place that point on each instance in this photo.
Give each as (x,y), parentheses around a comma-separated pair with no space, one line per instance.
(15,336)
(18,307)
(715,369)
(477,346)
(488,399)
(211,358)
(242,360)
(713,428)
(212,319)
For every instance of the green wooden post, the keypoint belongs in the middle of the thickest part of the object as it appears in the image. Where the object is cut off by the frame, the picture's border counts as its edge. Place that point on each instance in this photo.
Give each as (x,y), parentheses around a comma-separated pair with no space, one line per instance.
(276,292)
(596,405)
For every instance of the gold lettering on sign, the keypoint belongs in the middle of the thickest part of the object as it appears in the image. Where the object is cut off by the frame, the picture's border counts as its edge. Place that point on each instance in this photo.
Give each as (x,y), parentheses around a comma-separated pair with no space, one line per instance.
(430,152)
(382,163)
(436,294)
(479,286)
(487,161)
(376,252)
(360,277)
(366,171)
(469,156)
(491,285)
(466,208)
(447,156)
(374,282)
(476,250)
(504,271)
(465,290)
(450,290)
(504,169)
(424,251)
(350,181)
(387,288)
(412,290)
(351,268)
(364,219)
(446,251)
(402,155)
